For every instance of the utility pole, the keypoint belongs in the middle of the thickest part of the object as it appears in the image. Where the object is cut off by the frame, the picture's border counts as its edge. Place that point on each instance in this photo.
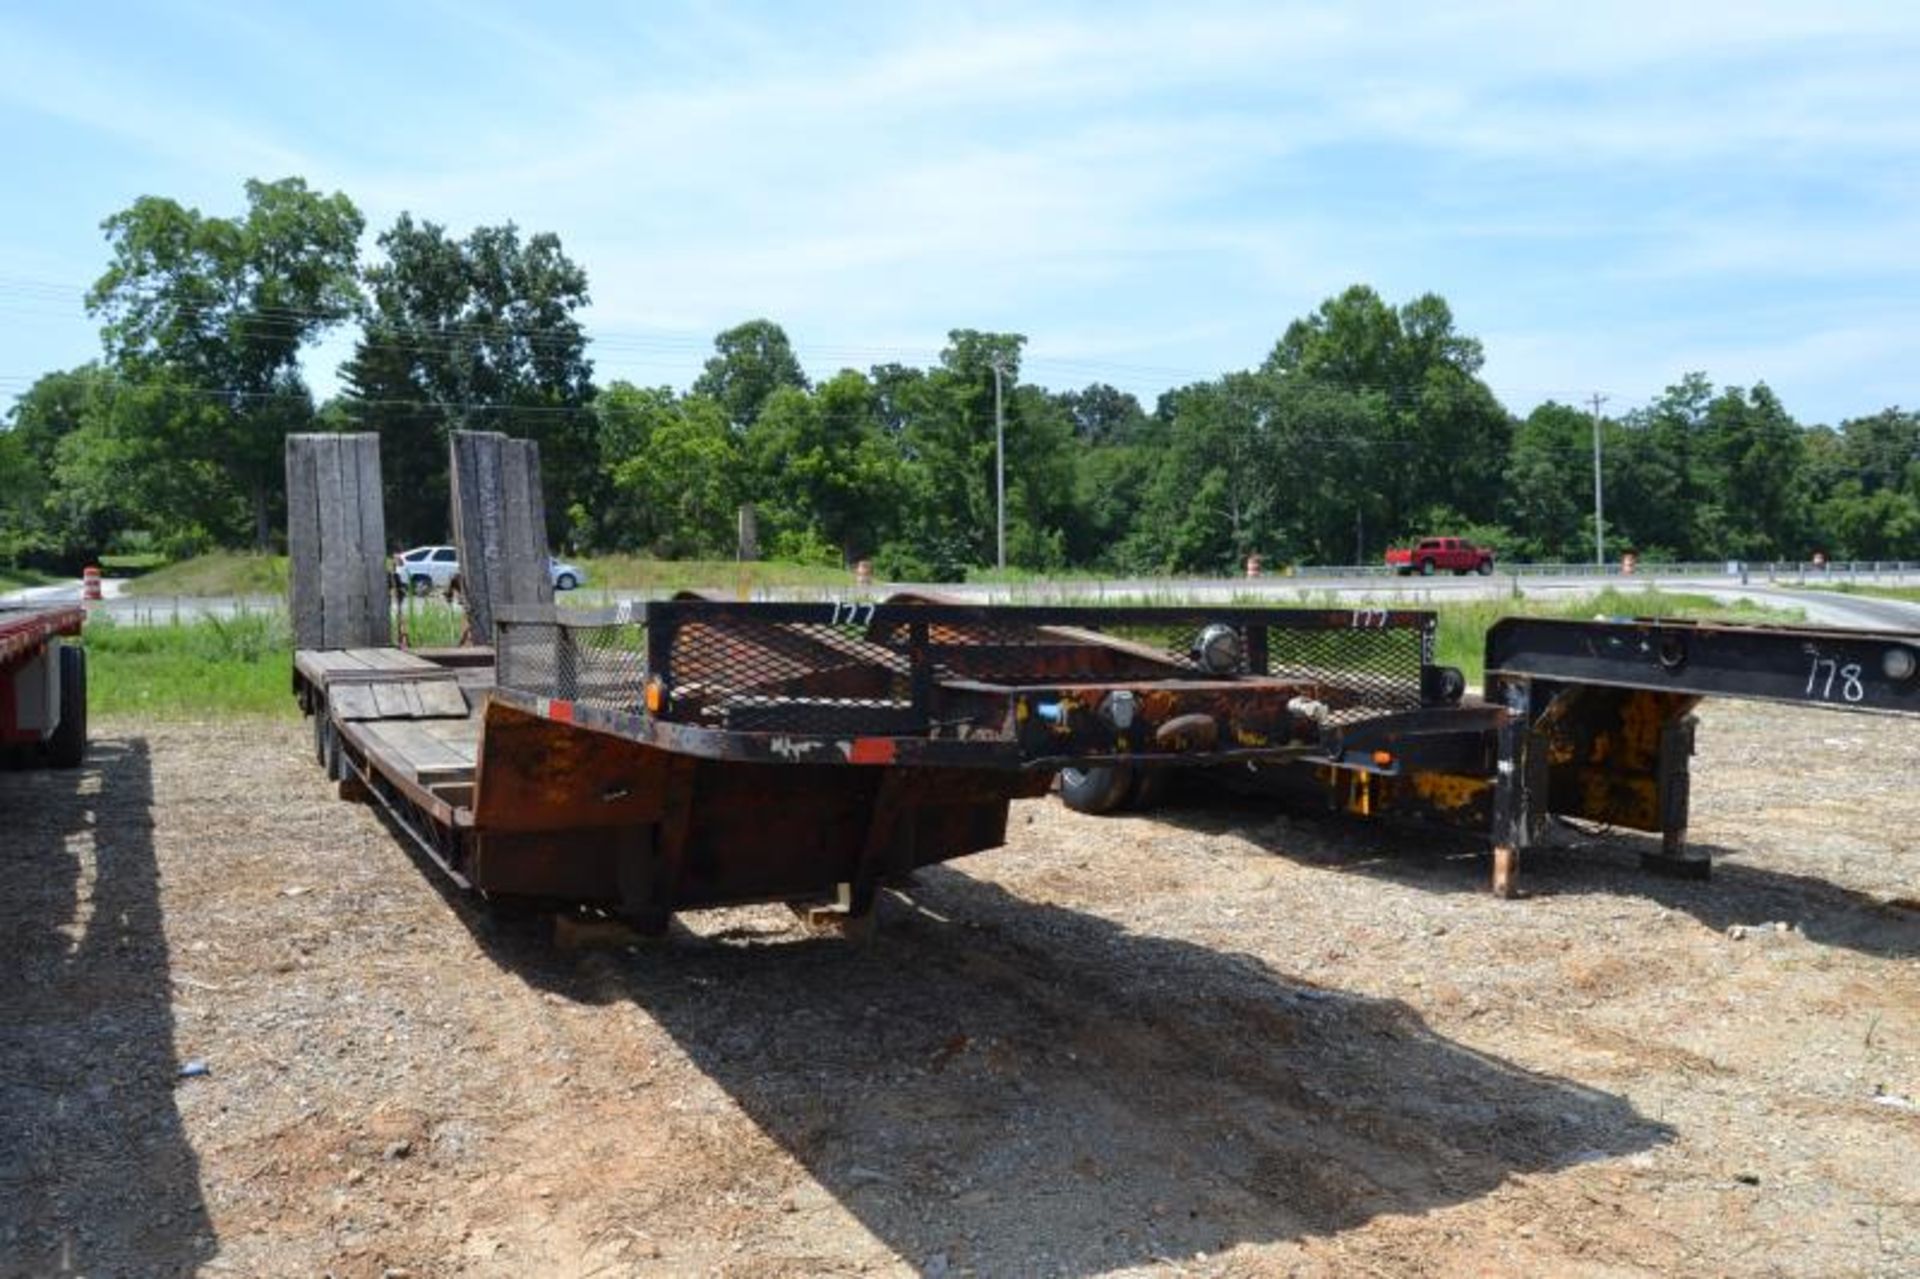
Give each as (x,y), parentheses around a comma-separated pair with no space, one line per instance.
(1599,519)
(1000,463)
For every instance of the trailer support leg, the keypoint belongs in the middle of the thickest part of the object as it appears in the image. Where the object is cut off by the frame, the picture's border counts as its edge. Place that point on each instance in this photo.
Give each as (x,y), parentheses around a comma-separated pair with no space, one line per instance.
(1676,858)
(1515,796)
(1506,870)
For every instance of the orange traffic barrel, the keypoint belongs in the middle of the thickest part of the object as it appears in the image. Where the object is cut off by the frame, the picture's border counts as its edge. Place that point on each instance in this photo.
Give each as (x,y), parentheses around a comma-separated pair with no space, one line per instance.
(90,582)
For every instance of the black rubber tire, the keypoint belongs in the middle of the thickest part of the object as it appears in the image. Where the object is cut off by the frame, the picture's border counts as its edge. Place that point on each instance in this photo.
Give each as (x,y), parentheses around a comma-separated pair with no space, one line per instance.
(422,584)
(1486,568)
(1426,568)
(331,759)
(1150,789)
(1104,789)
(565,582)
(67,747)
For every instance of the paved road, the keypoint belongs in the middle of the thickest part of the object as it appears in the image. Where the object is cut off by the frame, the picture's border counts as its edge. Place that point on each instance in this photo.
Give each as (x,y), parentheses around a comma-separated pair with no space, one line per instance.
(1822,607)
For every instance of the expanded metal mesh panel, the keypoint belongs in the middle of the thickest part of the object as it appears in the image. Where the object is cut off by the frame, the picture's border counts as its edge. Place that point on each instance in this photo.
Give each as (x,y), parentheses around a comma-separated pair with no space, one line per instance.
(601,664)
(737,671)
(1359,672)
(876,670)
(802,677)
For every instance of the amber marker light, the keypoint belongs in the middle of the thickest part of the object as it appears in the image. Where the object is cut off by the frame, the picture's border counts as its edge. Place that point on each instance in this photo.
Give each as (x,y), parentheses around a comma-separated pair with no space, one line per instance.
(1383,758)
(656,696)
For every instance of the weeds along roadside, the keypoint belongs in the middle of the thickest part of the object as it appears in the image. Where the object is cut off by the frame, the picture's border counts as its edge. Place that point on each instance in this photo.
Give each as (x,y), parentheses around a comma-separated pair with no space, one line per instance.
(170,666)
(178,667)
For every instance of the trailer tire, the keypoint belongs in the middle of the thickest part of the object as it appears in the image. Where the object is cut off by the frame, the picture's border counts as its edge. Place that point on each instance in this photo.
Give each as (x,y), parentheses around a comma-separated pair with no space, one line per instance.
(1150,787)
(331,758)
(1103,789)
(67,747)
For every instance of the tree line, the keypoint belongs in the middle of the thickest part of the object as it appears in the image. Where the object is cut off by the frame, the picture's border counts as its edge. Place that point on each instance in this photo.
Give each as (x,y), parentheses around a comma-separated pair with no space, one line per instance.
(1366,424)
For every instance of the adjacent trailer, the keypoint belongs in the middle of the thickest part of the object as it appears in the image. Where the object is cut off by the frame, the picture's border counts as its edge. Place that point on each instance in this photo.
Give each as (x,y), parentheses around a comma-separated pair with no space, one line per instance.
(695,753)
(43,688)
(1592,721)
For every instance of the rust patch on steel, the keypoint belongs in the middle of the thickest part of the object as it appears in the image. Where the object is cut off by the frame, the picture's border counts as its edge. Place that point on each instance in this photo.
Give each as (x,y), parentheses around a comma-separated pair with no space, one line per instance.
(537,774)
(1449,790)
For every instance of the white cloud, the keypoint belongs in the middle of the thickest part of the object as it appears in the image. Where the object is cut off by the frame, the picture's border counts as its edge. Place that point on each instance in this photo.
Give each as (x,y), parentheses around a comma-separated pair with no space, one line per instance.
(1149,187)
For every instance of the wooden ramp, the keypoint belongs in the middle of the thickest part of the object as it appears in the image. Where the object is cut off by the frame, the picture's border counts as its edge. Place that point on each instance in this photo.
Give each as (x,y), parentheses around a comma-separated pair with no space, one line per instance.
(415,715)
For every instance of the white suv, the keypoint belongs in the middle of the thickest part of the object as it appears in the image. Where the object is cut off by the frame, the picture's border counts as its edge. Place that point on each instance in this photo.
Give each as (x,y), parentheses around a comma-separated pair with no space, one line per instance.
(426,569)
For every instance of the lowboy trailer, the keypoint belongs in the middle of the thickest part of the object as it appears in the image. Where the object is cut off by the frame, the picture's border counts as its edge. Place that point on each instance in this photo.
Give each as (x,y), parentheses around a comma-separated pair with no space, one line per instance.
(697,752)
(693,753)
(43,688)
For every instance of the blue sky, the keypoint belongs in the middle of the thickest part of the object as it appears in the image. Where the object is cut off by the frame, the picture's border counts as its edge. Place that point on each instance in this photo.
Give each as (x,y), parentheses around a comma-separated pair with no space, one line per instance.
(1608,198)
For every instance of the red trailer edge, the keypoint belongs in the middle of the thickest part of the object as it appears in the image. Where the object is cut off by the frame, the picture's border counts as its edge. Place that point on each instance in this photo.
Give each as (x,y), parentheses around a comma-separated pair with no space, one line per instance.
(43,688)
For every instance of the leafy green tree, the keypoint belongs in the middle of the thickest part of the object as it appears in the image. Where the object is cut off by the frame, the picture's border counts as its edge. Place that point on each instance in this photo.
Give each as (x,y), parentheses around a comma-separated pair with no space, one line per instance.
(823,464)
(1102,414)
(949,510)
(1882,451)
(1215,497)
(684,476)
(137,462)
(32,523)
(1865,482)
(1549,492)
(23,495)
(751,361)
(1753,464)
(473,334)
(220,308)
(1442,437)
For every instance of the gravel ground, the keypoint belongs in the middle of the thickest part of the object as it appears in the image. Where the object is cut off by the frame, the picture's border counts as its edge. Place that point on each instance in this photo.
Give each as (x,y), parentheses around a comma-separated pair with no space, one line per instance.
(1218,1041)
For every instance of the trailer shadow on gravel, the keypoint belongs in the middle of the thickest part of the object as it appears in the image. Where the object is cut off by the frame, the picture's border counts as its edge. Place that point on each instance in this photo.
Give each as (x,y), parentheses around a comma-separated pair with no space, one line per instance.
(96,1173)
(1018,1087)
(1570,862)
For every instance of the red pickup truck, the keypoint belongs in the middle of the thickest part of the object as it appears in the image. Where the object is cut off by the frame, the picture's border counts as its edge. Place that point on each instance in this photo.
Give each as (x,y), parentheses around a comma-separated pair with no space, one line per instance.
(1431,554)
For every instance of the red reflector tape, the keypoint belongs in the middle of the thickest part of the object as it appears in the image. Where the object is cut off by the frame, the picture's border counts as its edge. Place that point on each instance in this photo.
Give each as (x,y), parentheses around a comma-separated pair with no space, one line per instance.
(871,750)
(561,711)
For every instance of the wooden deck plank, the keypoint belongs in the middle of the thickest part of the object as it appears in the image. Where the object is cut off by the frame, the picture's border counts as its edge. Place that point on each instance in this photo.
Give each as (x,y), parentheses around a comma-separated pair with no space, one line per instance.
(395,700)
(317,663)
(416,753)
(441,699)
(391,659)
(461,736)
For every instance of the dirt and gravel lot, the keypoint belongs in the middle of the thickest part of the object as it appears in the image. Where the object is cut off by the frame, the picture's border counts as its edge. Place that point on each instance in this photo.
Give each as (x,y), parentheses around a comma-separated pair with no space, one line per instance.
(1221,1041)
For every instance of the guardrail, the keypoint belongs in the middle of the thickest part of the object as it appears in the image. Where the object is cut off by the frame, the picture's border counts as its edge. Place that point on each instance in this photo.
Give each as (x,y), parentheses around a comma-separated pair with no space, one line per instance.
(1805,571)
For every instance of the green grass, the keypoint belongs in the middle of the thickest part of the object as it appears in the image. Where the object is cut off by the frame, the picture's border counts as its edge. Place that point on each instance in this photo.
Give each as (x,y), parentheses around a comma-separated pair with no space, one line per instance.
(221,573)
(217,668)
(211,668)
(13,579)
(633,573)
(242,666)
(1464,625)
(132,565)
(1910,594)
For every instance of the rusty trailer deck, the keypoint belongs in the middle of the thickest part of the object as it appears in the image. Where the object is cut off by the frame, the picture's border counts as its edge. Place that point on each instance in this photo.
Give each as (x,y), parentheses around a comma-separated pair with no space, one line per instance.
(693,753)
